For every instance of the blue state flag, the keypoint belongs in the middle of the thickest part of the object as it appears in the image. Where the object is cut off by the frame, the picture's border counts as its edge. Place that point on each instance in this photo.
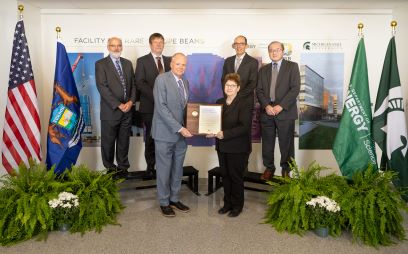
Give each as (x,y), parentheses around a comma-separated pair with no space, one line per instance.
(66,123)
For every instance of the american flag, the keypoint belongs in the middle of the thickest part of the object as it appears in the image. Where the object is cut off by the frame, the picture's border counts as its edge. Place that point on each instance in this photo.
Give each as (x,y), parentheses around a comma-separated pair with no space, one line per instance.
(21,132)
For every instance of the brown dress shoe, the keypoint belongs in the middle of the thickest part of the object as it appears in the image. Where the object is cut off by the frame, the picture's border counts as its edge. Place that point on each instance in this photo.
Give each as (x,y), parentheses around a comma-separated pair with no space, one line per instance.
(267,174)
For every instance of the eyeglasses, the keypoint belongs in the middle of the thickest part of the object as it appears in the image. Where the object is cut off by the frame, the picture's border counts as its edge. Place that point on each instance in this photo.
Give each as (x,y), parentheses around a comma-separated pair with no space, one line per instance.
(231,86)
(275,50)
(239,44)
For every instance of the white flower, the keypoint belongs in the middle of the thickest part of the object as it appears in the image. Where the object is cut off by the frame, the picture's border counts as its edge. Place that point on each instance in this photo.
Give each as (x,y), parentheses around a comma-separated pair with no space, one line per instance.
(324,202)
(64,200)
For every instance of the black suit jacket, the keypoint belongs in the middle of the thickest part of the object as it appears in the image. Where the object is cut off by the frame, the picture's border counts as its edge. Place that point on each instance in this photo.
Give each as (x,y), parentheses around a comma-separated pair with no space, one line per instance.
(236,125)
(110,88)
(286,90)
(248,71)
(145,75)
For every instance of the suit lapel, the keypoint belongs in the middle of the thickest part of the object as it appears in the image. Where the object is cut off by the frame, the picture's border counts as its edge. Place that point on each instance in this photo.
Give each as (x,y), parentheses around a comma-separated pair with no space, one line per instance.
(282,71)
(268,78)
(113,67)
(152,63)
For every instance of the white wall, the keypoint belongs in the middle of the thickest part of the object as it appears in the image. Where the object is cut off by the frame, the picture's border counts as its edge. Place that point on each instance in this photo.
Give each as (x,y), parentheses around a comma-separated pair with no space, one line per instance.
(8,19)
(219,26)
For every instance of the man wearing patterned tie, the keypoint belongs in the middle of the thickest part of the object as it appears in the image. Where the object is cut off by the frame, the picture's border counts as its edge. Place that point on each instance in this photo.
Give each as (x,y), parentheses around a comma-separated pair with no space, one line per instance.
(148,67)
(277,89)
(170,98)
(115,83)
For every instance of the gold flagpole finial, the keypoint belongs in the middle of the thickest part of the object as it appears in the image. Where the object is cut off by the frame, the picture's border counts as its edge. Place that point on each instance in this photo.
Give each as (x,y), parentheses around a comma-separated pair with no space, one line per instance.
(21,9)
(393,26)
(360,27)
(58,30)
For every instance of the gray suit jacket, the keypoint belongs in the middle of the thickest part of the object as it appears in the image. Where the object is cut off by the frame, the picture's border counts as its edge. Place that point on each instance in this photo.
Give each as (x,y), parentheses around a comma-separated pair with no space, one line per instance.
(110,88)
(169,111)
(286,91)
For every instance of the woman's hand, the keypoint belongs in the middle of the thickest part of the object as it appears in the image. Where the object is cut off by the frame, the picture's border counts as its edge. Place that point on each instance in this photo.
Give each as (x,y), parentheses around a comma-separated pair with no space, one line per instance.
(220,135)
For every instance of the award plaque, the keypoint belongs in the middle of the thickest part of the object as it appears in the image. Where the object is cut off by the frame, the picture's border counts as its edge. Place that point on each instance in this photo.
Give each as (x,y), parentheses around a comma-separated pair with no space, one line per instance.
(204,118)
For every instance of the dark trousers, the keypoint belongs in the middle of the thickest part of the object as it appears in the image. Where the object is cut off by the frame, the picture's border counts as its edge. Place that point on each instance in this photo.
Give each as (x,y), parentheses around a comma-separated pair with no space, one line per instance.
(149,141)
(285,130)
(232,167)
(116,133)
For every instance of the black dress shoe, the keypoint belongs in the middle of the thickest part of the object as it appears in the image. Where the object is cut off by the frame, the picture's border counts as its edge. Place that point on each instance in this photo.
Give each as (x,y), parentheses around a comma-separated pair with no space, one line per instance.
(167,211)
(234,213)
(224,210)
(179,206)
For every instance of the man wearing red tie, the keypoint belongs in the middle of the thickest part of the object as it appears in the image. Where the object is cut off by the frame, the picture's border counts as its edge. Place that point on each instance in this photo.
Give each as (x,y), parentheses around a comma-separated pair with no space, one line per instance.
(148,67)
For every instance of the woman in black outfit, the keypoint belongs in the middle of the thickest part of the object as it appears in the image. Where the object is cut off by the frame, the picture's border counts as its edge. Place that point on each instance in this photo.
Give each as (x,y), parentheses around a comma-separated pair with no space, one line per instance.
(233,144)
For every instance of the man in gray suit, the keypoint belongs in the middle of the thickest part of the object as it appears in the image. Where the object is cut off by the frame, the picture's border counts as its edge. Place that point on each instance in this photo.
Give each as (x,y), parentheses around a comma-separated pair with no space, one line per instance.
(277,89)
(170,94)
(115,83)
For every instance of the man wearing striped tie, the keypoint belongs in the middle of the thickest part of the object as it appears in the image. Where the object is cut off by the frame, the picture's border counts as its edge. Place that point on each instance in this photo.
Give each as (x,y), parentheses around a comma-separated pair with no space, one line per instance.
(115,83)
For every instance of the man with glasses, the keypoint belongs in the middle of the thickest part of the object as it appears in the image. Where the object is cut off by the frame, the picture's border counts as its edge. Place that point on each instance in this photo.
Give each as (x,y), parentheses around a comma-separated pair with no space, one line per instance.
(247,68)
(245,65)
(148,67)
(115,83)
(277,90)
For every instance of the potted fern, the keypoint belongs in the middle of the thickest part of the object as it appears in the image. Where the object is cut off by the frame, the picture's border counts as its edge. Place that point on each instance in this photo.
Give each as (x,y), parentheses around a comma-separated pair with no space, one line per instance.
(325,212)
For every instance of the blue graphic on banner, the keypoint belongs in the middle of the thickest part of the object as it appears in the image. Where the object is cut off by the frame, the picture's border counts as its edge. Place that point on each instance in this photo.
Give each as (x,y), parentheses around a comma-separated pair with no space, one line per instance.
(204,72)
(83,65)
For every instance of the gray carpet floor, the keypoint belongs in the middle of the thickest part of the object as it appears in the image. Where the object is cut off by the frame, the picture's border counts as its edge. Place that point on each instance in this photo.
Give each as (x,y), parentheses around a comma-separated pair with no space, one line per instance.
(144,230)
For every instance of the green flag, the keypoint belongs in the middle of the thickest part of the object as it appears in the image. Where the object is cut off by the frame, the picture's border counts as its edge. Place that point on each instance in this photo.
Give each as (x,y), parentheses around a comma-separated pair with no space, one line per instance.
(389,124)
(354,146)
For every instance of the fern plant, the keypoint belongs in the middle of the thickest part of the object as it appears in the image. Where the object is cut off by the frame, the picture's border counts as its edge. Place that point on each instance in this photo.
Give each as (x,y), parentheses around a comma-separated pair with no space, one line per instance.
(287,209)
(99,201)
(24,209)
(373,208)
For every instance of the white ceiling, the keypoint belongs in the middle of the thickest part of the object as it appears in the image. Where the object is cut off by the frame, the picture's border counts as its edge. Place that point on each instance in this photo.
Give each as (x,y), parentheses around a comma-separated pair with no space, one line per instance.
(215,4)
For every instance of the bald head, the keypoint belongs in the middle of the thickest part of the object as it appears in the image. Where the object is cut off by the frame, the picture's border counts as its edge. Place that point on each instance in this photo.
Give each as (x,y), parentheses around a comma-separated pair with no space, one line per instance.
(178,64)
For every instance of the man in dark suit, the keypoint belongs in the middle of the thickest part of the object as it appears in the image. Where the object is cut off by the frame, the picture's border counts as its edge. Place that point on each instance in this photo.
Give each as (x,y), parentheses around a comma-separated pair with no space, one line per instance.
(277,89)
(245,65)
(115,83)
(247,68)
(148,67)
(170,94)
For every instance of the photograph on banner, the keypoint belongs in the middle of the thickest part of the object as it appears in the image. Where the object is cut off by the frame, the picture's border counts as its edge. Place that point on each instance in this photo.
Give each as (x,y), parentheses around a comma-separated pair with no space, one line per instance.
(83,66)
(321,94)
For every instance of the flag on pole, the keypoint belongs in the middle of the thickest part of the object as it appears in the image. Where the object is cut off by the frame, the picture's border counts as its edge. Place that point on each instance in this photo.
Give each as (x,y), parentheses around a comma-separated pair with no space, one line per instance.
(354,146)
(389,122)
(22,130)
(66,122)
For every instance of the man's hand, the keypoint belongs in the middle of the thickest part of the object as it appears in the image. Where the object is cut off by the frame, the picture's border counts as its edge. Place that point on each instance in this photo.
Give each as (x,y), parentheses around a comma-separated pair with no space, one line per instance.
(126,106)
(269,110)
(185,133)
(277,109)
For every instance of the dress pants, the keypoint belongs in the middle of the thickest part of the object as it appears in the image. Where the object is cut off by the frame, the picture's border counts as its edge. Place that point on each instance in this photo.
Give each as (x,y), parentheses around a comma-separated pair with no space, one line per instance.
(169,169)
(285,129)
(149,141)
(232,167)
(116,133)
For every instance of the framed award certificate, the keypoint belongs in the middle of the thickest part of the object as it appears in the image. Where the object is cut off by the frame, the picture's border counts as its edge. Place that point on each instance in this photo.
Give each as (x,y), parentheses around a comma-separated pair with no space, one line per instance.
(204,118)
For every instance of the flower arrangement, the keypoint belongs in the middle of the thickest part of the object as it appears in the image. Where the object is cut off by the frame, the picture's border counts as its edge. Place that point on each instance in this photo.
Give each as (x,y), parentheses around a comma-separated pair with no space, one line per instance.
(325,211)
(65,208)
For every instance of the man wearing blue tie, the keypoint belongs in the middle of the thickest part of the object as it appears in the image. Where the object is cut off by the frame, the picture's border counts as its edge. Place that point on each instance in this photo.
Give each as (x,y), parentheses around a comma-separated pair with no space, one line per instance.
(115,83)
(170,94)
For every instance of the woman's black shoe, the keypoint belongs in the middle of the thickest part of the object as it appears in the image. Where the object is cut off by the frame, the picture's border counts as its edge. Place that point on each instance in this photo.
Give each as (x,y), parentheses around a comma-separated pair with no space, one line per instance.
(224,210)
